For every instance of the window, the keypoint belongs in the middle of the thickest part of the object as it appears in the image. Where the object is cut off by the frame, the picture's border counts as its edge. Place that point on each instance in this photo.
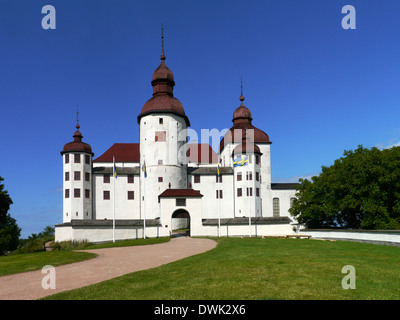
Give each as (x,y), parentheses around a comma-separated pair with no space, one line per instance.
(275,207)
(218,179)
(87,176)
(67,158)
(257,176)
(131,195)
(160,162)
(160,179)
(106,195)
(66,193)
(106,178)
(239,192)
(218,194)
(257,192)
(249,192)
(67,176)
(180,202)
(249,175)
(160,121)
(239,176)
(257,159)
(160,136)
(196,178)
(87,159)
(77,175)
(77,193)
(77,158)
(131,178)
(87,193)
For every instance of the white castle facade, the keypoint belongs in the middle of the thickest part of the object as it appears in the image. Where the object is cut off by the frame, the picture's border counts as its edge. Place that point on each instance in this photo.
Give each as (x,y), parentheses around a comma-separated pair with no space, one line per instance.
(166,182)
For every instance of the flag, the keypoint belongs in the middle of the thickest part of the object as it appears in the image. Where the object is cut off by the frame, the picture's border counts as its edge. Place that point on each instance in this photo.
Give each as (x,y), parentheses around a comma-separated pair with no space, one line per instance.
(243,161)
(218,173)
(144,169)
(115,171)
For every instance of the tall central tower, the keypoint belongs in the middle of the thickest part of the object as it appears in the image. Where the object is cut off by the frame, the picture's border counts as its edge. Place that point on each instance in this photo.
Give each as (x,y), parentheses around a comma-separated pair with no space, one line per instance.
(163,125)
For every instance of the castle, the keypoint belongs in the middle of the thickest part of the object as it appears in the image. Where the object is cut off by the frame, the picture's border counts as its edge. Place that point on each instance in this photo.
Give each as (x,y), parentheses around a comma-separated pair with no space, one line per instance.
(166,182)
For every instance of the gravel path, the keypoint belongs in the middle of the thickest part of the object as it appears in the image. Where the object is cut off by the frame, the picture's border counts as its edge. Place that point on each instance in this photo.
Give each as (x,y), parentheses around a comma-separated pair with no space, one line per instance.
(110,263)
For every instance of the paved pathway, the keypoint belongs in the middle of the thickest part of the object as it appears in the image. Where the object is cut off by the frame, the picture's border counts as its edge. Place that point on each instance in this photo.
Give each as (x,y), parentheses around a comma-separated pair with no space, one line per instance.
(110,263)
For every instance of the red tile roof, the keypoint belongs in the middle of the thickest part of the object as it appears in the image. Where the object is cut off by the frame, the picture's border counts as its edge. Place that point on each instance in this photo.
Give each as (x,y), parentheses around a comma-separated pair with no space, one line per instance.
(123,152)
(130,152)
(180,193)
(201,153)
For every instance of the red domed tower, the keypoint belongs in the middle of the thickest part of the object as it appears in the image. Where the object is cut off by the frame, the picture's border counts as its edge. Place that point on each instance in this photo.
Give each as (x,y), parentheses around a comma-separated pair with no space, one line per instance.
(163,125)
(77,178)
(244,137)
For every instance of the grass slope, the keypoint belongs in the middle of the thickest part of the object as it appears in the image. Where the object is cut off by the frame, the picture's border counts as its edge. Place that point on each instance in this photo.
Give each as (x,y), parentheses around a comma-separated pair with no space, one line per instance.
(35,261)
(254,268)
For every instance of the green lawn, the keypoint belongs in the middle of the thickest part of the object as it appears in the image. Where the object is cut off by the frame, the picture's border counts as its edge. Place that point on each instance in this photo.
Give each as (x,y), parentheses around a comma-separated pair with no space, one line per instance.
(35,261)
(254,268)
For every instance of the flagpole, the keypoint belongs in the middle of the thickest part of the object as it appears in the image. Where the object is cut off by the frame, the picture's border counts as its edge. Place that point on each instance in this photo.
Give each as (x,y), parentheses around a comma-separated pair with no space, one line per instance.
(144,199)
(114,199)
(218,199)
(248,174)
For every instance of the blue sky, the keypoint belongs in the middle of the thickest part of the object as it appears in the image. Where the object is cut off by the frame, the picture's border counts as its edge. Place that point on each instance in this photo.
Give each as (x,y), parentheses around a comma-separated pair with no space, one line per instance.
(313,87)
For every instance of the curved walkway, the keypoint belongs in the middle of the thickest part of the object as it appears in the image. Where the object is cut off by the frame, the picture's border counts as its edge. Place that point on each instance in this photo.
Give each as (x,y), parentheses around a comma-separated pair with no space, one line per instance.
(110,263)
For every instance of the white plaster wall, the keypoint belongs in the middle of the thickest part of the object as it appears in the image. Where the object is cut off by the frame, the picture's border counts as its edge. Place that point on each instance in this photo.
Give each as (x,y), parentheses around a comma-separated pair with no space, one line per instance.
(168,205)
(77,208)
(207,188)
(359,235)
(103,234)
(118,164)
(124,208)
(284,201)
(244,230)
(265,173)
(170,152)
(247,205)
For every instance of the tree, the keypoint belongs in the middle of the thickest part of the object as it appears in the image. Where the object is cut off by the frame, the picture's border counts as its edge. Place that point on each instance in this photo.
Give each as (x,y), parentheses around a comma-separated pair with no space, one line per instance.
(360,190)
(9,230)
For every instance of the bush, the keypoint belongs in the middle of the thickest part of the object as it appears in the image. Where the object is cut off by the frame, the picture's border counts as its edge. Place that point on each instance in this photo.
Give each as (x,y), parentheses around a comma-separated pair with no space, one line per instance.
(71,245)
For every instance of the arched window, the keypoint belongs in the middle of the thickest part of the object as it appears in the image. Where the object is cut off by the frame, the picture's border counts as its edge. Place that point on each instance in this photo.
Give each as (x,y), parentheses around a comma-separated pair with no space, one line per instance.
(275,207)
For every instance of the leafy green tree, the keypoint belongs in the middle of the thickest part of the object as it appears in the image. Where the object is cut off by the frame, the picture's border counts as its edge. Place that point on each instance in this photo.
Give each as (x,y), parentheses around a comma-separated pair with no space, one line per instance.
(9,230)
(47,232)
(360,190)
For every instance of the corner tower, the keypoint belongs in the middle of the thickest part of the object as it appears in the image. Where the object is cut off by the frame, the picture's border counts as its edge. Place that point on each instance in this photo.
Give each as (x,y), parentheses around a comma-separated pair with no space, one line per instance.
(243,131)
(163,136)
(77,179)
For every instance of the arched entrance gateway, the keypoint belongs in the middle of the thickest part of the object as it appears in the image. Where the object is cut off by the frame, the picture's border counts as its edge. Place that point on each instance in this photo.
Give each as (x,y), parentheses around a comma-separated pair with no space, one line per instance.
(180,223)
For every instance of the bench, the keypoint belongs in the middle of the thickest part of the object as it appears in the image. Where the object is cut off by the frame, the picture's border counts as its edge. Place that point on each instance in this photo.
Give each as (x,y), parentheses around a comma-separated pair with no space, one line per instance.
(298,236)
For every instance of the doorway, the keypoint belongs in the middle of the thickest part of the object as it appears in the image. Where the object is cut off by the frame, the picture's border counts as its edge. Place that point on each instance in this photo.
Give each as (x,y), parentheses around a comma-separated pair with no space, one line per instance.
(180,223)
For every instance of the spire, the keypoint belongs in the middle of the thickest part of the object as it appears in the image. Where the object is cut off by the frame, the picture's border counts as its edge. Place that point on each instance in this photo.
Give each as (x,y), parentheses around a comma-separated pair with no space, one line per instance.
(241,98)
(77,135)
(77,118)
(162,43)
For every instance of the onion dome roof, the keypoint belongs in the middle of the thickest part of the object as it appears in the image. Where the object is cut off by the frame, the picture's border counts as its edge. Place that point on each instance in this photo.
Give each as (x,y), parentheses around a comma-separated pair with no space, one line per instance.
(77,145)
(242,129)
(163,99)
